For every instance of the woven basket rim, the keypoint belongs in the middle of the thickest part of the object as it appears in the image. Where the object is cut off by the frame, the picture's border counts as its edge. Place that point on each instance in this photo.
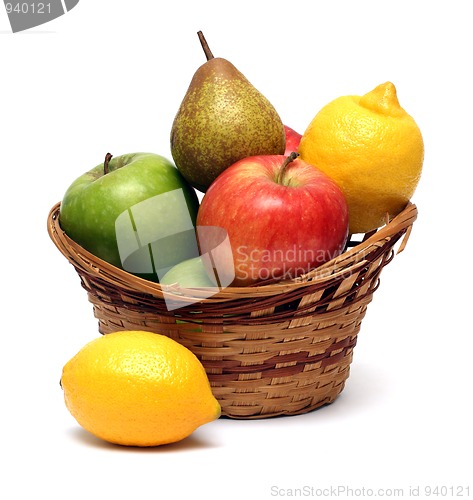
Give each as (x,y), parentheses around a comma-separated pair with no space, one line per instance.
(345,263)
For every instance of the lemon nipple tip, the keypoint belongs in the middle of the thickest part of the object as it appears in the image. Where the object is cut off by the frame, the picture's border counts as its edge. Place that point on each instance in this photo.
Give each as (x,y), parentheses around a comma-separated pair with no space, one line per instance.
(382,99)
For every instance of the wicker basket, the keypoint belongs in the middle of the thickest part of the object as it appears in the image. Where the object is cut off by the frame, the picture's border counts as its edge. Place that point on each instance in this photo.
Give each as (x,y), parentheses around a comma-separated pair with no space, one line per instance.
(276,349)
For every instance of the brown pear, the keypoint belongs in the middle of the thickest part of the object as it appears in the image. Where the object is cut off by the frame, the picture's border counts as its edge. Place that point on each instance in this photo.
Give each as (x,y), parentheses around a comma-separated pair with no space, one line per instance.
(222,119)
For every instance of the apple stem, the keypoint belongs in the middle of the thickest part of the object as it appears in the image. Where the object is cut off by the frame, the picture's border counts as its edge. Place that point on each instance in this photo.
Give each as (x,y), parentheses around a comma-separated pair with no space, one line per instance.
(288,160)
(108,157)
(205,46)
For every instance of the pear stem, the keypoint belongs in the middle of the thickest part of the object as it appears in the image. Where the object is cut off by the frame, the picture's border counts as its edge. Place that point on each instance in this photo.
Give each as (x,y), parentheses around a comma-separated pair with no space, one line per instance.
(288,160)
(106,169)
(205,46)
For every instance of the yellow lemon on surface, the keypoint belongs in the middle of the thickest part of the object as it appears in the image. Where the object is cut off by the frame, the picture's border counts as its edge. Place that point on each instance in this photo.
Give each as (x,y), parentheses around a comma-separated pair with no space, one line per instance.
(372,148)
(138,388)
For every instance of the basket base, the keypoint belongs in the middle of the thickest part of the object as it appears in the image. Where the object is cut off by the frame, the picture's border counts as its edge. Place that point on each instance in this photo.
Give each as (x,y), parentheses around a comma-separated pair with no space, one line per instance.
(243,415)
(290,403)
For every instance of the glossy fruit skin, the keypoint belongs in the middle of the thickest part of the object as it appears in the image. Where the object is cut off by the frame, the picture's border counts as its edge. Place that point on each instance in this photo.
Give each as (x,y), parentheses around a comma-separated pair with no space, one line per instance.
(222,119)
(293,140)
(280,225)
(189,273)
(138,388)
(93,202)
(372,148)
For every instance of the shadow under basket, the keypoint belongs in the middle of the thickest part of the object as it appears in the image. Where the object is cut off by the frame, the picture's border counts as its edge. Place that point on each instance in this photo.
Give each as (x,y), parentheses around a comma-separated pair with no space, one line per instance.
(281,348)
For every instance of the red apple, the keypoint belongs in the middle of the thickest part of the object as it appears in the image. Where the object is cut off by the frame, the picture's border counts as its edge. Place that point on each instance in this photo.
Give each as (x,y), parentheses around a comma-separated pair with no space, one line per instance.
(283,217)
(293,139)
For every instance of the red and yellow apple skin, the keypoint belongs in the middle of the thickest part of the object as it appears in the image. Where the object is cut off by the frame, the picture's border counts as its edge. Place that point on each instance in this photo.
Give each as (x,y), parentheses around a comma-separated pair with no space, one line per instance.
(293,139)
(283,217)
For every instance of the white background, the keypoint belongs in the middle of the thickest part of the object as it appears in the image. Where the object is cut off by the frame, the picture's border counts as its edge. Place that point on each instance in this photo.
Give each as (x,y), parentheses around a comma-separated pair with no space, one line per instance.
(109,76)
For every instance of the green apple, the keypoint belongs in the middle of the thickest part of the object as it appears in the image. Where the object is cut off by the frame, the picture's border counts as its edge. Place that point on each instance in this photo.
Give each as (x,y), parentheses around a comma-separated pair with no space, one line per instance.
(135,211)
(190,273)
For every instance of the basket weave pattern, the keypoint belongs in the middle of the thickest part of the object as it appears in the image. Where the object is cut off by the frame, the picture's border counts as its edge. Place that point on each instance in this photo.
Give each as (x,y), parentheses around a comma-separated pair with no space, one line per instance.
(281,348)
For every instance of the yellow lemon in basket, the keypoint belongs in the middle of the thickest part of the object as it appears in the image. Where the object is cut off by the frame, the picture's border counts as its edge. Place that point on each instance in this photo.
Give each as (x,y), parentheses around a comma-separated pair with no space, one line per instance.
(138,388)
(372,148)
